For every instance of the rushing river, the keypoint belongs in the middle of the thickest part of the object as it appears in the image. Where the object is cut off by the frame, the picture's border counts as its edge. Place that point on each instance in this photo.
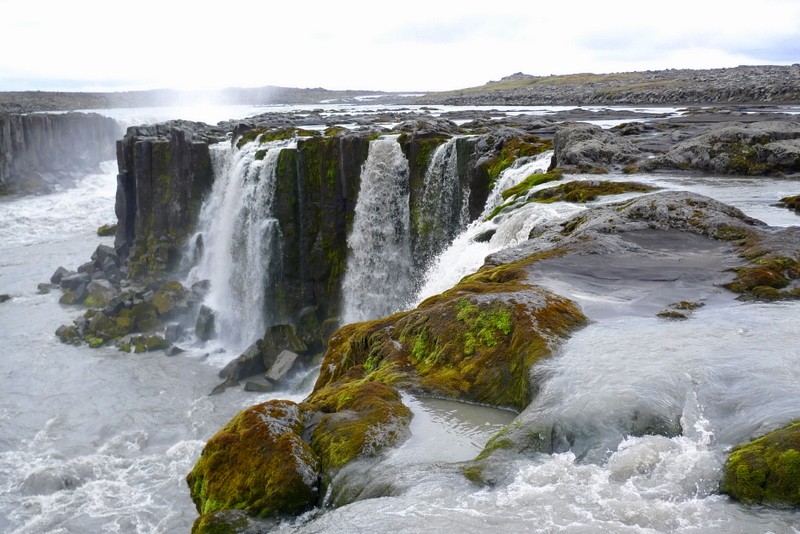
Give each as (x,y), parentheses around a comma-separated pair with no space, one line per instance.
(101,441)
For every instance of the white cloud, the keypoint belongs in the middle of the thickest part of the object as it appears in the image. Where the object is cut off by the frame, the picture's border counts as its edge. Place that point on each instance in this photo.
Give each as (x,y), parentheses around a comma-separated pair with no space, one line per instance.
(413,45)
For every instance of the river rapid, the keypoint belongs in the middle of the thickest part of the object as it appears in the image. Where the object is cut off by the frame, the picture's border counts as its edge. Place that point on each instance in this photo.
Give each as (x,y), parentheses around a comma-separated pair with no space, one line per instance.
(95,440)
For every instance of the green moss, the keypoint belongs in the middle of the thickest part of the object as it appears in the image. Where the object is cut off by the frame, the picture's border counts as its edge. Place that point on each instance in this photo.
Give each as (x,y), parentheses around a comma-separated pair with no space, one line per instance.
(272,134)
(731,233)
(484,327)
(222,522)
(767,470)
(363,418)
(672,314)
(258,463)
(94,342)
(107,230)
(512,150)
(587,190)
(532,181)
(791,202)
(765,276)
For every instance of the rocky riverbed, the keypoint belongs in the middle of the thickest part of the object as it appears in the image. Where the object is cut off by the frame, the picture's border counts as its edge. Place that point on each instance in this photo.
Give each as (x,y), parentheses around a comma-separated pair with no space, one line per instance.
(476,342)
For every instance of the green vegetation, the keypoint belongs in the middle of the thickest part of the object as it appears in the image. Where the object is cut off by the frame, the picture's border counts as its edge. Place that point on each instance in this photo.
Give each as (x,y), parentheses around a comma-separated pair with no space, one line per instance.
(512,150)
(767,470)
(581,191)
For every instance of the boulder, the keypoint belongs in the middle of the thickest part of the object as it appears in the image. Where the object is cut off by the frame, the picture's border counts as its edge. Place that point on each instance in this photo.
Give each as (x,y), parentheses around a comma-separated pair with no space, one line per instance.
(766,470)
(74,280)
(205,328)
(588,147)
(99,293)
(60,273)
(258,462)
(284,363)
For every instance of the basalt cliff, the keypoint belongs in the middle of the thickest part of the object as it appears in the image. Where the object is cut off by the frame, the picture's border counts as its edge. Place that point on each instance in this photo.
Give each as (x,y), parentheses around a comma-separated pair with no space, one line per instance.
(476,342)
(41,151)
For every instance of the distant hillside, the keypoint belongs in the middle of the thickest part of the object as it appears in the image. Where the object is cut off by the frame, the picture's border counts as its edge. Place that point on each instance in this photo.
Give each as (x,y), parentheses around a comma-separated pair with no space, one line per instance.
(741,85)
(25,101)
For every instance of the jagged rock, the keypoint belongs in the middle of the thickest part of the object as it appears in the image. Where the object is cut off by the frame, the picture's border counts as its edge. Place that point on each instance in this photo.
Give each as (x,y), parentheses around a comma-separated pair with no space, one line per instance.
(249,363)
(4,298)
(73,281)
(284,363)
(750,149)
(257,387)
(588,147)
(60,273)
(104,254)
(69,334)
(205,327)
(73,295)
(99,293)
(173,332)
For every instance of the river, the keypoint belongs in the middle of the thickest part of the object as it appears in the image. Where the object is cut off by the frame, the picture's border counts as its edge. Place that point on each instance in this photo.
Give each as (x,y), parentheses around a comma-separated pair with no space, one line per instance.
(95,440)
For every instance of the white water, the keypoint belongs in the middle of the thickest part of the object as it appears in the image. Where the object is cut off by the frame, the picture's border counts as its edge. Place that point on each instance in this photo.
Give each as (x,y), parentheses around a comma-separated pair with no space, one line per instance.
(378,279)
(466,254)
(443,205)
(241,240)
(100,441)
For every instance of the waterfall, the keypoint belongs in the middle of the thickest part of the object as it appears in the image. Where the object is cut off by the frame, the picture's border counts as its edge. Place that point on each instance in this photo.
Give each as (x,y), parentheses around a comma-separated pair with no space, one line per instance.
(378,278)
(443,207)
(465,254)
(238,243)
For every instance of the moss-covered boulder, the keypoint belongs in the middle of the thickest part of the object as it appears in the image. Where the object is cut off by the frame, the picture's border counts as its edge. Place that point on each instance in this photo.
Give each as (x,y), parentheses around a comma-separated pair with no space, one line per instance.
(767,470)
(475,342)
(258,463)
(358,419)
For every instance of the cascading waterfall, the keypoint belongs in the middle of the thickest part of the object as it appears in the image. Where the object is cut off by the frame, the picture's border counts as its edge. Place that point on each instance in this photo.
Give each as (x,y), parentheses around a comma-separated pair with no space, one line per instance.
(443,205)
(239,241)
(482,237)
(378,278)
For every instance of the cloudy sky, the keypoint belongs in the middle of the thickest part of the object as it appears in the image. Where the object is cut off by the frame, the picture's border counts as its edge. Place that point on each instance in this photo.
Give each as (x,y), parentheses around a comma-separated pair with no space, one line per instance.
(410,45)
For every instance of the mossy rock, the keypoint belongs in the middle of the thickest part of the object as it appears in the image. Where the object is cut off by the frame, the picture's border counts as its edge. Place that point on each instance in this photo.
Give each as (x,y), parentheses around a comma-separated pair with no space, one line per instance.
(791,202)
(361,419)
(581,191)
(107,230)
(145,317)
(168,297)
(225,522)
(766,277)
(530,182)
(767,470)
(476,342)
(514,149)
(69,335)
(258,463)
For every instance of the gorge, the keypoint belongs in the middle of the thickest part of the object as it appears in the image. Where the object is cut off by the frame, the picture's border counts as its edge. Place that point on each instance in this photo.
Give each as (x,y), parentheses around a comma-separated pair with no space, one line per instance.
(600,319)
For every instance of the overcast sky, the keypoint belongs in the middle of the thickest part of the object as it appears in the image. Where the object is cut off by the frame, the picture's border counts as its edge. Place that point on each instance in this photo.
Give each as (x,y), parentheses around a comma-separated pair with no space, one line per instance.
(407,45)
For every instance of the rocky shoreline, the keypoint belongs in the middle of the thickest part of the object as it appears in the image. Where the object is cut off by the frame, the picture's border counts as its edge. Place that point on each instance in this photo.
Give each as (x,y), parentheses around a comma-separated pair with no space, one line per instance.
(476,342)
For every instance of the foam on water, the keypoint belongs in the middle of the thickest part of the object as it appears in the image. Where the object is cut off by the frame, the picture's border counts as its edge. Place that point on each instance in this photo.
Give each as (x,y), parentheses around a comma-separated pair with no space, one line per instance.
(47,218)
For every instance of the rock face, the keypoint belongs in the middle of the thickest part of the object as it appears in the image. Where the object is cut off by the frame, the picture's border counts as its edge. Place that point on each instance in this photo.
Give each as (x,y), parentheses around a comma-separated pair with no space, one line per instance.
(748,149)
(587,146)
(164,171)
(766,470)
(39,151)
